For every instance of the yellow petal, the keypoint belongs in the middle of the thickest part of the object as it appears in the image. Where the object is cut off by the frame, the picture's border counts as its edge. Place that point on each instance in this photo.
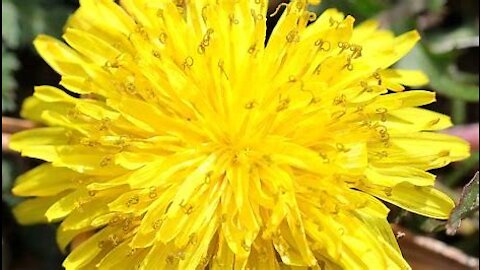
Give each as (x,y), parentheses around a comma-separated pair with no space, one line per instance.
(33,211)
(86,251)
(424,150)
(405,77)
(60,57)
(416,119)
(387,176)
(132,258)
(426,201)
(67,204)
(45,180)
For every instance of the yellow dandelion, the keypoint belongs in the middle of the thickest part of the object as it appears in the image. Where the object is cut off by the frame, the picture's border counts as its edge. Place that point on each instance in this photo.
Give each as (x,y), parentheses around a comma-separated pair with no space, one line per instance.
(194,145)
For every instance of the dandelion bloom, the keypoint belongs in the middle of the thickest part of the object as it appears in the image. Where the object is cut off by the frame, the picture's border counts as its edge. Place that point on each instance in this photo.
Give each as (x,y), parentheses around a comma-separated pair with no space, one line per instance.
(187,143)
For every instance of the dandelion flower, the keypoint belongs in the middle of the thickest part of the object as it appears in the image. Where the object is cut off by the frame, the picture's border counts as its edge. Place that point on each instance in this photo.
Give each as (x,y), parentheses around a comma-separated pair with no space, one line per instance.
(188,141)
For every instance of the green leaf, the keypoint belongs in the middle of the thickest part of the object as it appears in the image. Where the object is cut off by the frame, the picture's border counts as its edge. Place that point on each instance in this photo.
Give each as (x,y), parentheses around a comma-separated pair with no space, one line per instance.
(435,5)
(468,204)
(9,64)
(440,79)
(10,27)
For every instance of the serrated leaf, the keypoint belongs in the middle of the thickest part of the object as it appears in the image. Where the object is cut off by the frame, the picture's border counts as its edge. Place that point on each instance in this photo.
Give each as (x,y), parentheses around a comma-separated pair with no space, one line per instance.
(468,204)
(10,27)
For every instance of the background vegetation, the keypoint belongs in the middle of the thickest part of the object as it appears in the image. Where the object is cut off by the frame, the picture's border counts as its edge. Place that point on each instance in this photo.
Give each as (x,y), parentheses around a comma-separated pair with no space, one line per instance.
(448,53)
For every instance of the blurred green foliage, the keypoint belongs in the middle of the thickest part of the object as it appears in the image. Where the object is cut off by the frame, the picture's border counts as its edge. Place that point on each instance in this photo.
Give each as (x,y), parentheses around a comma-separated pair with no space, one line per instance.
(9,65)
(10,34)
(21,22)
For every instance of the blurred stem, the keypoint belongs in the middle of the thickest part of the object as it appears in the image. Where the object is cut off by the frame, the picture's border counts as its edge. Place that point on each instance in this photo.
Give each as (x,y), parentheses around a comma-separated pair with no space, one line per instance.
(12,125)
(428,253)
(454,177)
(5,142)
(459,112)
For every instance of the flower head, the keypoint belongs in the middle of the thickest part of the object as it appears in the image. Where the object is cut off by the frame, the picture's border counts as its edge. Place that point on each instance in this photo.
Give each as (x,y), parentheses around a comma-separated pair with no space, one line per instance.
(194,144)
